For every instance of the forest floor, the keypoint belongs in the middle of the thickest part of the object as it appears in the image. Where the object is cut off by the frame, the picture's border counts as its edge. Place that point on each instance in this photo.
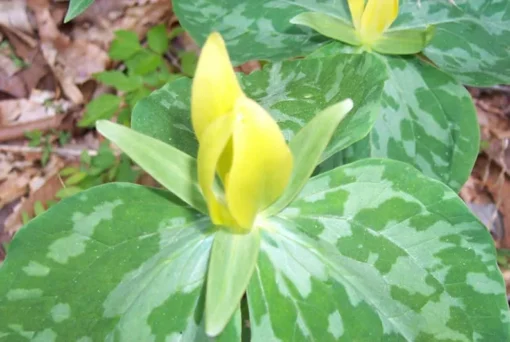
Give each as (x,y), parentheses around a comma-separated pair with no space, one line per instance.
(47,80)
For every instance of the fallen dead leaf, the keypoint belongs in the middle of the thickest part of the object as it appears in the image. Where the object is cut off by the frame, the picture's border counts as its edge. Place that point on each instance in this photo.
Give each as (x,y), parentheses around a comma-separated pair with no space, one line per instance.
(13,14)
(72,62)
(497,184)
(40,112)
(21,83)
(41,187)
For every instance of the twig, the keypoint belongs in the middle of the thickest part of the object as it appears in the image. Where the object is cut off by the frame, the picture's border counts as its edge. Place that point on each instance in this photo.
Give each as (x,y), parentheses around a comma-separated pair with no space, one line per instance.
(502,88)
(174,61)
(60,151)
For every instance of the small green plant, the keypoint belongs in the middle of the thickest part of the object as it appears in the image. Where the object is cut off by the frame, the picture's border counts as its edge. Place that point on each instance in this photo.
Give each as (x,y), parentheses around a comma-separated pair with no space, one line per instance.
(5,47)
(38,139)
(96,170)
(146,69)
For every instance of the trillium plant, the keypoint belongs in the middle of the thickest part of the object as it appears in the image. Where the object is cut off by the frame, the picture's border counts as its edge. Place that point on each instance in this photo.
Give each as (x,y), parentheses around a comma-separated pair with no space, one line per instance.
(277,222)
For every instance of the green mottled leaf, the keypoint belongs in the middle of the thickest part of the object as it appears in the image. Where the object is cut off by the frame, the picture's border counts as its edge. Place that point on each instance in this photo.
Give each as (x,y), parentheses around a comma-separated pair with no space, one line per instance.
(375,251)
(231,264)
(174,169)
(471,39)
(119,262)
(76,7)
(293,92)
(307,148)
(427,119)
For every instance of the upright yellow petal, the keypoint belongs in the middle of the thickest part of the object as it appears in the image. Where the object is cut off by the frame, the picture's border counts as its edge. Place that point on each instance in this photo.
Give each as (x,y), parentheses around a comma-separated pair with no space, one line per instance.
(261,163)
(215,139)
(215,87)
(356,8)
(377,18)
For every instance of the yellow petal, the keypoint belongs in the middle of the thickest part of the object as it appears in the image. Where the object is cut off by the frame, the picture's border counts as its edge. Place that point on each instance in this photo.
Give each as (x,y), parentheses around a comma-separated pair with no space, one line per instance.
(215,87)
(261,163)
(356,8)
(215,138)
(377,18)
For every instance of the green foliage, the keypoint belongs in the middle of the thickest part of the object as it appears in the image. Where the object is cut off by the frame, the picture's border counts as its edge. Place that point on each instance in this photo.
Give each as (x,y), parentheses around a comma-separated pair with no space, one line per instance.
(102,107)
(96,170)
(177,171)
(157,39)
(76,7)
(420,122)
(45,141)
(372,250)
(293,89)
(146,70)
(231,263)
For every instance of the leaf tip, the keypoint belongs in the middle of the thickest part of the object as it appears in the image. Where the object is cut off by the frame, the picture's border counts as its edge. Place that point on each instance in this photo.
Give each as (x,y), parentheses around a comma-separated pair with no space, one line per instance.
(348,104)
(213,329)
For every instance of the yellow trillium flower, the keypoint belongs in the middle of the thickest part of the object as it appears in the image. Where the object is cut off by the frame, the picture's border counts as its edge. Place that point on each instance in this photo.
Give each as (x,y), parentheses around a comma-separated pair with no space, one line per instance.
(238,141)
(371,18)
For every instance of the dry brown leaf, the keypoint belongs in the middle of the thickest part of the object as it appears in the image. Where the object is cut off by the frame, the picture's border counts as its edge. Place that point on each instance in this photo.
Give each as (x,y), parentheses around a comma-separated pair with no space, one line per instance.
(21,83)
(40,112)
(497,184)
(42,187)
(7,66)
(13,14)
(13,187)
(72,62)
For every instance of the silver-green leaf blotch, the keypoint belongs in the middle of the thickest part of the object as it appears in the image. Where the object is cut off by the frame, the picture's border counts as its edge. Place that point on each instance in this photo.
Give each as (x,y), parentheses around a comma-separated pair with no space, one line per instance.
(292,92)
(427,120)
(375,251)
(116,262)
(307,148)
(231,264)
(174,169)
(470,42)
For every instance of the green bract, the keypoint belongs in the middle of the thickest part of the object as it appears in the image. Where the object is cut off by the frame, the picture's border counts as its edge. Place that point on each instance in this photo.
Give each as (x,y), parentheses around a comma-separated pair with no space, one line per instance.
(427,118)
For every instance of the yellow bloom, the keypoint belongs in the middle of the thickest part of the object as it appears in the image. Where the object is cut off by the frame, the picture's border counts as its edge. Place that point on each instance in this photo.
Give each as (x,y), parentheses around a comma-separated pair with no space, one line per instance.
(238,141)
(371,18)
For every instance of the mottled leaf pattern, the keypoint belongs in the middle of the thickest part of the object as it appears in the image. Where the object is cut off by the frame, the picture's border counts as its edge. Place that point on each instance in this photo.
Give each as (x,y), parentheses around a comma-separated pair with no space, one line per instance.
(427,119)
(293,92)
(371,251)
(375,251)
(472,38)
(428,122)
(111,263)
